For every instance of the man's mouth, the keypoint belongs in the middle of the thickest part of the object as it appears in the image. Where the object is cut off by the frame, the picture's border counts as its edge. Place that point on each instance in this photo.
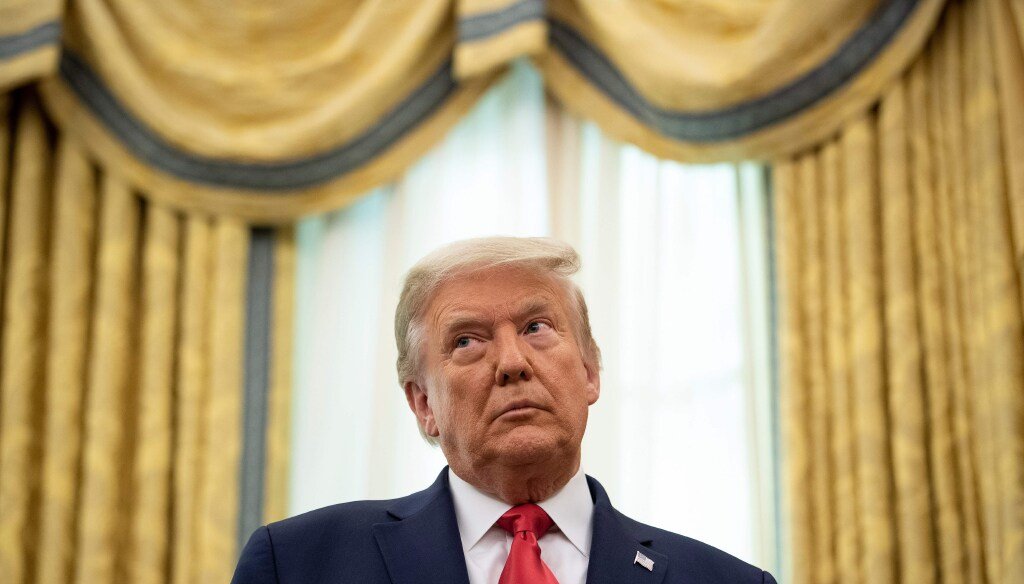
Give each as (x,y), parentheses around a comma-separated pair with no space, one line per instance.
(520,406)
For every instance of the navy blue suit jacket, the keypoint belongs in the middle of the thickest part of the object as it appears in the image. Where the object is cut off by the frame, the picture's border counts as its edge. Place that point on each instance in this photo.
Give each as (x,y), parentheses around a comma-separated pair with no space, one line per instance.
(415,540)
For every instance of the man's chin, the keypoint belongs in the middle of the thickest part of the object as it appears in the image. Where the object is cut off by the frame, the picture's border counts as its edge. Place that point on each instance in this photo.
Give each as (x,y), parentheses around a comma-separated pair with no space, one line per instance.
(526,445)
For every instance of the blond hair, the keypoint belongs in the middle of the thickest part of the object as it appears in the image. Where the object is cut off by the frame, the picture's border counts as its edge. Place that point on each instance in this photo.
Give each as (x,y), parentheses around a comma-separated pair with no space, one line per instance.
(542,255)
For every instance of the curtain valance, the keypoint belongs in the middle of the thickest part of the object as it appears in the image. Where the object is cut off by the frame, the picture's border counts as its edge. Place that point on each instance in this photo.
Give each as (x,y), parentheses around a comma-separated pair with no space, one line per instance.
(270,110)
(710,80)
(29,40)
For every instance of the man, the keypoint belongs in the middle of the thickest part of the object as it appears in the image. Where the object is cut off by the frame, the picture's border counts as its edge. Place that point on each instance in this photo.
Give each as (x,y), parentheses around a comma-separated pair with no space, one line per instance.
(499,366)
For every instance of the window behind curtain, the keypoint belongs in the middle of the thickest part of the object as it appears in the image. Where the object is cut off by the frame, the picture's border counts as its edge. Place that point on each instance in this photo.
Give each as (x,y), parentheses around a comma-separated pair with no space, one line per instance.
(676,277)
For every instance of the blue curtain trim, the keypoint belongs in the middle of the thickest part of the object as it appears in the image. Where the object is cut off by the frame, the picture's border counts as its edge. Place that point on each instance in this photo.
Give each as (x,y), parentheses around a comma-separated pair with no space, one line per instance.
(748,117)
(488,24)
(258,337)
(698,127)
(298,173)
(24,42)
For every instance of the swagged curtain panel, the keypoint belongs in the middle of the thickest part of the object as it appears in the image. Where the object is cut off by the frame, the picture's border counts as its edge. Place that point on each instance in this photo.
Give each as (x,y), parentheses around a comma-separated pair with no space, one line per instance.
(145,311)
(268,111)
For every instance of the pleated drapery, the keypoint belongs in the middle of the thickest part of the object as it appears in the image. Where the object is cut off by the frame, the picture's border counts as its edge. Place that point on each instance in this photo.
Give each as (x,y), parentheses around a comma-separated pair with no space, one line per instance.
(120,372)
(902,329)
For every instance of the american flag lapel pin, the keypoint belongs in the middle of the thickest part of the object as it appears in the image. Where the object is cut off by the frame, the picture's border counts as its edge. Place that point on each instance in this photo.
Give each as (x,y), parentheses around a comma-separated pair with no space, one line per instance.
(644,561)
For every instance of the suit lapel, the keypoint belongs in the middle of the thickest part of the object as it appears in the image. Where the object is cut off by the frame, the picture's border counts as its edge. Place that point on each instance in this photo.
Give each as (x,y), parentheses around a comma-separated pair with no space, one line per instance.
(423,545)
(613,548)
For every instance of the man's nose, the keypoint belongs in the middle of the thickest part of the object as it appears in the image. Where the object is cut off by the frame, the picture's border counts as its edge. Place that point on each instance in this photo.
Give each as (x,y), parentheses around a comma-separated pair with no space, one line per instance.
(512,363)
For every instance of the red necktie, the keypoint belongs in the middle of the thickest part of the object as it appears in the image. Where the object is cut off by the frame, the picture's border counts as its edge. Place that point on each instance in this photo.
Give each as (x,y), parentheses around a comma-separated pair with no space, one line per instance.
(526,523)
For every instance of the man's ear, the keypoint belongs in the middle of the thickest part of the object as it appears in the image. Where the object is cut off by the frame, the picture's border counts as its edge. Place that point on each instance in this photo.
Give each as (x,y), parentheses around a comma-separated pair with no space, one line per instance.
(416,395)
(593,388)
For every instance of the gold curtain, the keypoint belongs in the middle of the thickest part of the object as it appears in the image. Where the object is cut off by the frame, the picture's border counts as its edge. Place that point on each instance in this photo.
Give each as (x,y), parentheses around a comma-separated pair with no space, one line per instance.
(899,245)
(29,34)
(268,112)
(713,80)
(120,371)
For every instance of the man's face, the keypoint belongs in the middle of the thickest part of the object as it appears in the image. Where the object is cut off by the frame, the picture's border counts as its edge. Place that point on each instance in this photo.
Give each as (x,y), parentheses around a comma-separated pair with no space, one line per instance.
(505,379)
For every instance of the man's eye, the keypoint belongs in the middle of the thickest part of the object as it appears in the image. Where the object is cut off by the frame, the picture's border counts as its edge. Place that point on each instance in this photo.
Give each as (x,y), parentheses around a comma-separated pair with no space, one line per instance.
(462,342)
(534,327)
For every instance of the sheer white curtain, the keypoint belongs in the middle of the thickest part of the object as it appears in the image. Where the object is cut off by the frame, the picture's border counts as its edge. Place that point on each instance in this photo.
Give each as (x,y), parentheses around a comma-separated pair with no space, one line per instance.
(675,273)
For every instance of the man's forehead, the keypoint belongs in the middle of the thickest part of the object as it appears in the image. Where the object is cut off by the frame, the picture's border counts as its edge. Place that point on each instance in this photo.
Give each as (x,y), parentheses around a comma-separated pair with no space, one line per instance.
(482,295)
(478,308)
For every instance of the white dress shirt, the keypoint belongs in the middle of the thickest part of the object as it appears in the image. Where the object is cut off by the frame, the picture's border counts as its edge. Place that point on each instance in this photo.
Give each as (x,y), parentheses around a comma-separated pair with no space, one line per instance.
(565,548)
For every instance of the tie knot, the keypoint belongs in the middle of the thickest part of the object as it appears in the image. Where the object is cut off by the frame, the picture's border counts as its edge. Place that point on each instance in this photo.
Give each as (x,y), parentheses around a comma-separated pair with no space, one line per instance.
(526,517)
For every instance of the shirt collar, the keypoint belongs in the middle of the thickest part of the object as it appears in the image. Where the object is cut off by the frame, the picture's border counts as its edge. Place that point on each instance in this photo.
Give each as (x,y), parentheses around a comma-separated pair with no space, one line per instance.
(571,508)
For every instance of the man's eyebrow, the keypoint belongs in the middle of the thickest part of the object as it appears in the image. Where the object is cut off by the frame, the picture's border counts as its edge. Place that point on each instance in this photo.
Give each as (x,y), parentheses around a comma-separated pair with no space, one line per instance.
(531,306)
(460,321)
